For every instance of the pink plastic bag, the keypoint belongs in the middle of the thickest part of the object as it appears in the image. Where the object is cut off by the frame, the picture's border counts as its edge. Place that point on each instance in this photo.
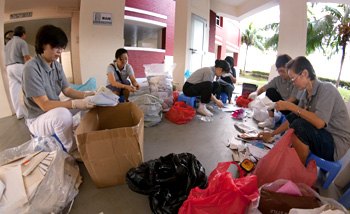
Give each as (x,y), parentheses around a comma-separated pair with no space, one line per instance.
(283,162)
(238,114)
(224,194)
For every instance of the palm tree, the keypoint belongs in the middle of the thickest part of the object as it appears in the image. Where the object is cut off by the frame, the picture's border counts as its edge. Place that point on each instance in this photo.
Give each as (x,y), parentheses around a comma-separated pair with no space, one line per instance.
(335,29)
(328,33)
(250,37)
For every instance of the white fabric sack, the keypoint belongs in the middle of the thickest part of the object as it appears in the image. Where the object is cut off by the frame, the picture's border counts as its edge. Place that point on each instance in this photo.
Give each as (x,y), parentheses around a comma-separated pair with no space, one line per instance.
(151,106)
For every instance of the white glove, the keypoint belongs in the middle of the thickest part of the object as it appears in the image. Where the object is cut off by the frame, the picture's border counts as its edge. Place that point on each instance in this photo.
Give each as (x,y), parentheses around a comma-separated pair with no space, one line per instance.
(90,93)
(82,104)
(253,95)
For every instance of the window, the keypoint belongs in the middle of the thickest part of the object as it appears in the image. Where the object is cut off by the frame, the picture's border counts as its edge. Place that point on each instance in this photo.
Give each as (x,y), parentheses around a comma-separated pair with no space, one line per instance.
(219,21)
(144,33)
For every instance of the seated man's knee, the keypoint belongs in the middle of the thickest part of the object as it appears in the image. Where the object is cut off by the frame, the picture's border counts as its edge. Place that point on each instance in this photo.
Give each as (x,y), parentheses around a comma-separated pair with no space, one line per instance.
(271,92)
(64,117)
(299,125)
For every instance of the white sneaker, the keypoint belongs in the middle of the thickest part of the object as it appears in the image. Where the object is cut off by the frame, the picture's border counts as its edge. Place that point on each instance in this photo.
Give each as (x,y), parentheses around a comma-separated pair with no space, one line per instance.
(205,112)
(267,123)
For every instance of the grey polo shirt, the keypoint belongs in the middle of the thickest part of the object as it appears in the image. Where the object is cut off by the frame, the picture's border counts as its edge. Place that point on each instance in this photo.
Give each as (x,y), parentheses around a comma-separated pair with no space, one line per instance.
(15,49)
(202,75)
(327,103)
(39,79)
(286,89)
(124,73)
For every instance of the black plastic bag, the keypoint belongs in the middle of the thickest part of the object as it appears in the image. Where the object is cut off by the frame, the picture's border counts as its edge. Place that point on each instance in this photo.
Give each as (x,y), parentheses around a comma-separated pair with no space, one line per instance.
(167,180)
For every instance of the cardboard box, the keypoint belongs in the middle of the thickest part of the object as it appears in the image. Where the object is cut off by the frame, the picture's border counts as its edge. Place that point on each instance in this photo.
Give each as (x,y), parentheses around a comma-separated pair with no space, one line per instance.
(110,142)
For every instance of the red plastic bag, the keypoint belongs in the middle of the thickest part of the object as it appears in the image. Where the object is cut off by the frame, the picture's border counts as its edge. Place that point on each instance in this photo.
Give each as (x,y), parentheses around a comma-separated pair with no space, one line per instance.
(283,162)
(176,95)
(180,113)
(224,194)
(243,101)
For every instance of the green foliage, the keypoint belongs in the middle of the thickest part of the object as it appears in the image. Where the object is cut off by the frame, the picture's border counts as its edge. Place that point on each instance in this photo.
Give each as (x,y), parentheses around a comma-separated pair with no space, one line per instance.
(251,37)
(261,74)
(342,83)
(329,33)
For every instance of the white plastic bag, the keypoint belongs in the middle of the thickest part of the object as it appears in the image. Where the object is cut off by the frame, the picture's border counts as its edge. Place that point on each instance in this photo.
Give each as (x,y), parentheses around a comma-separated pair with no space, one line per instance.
(160,81)
(260,114)
(55,191)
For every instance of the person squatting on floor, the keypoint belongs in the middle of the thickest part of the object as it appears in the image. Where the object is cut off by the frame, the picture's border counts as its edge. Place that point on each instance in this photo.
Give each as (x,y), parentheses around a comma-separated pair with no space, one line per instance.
(320,120)
(227,80)
(118,72)
(279,88)
(16,54)
(200,83)
(43,80)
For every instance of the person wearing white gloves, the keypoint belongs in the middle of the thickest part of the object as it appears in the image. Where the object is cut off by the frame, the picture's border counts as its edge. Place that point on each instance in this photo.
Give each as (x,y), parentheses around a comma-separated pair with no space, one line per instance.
(200,83)
(279,88)
(43,80)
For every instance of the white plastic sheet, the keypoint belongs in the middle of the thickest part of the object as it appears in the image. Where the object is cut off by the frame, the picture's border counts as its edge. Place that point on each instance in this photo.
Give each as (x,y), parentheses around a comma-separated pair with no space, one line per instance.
(160,81)
(56,190)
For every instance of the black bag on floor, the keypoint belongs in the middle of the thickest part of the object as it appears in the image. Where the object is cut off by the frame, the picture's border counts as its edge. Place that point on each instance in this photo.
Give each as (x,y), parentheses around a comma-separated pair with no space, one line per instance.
(167,180)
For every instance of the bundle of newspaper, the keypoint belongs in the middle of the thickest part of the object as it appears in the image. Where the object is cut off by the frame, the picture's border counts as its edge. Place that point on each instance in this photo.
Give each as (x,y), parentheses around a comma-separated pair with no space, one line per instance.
(105,97)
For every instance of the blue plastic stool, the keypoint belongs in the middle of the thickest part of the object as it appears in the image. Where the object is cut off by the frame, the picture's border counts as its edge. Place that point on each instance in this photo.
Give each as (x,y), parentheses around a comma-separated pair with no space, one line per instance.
(326,166)
(55,136)
(223,97)
(121,98)
(191,101)
(345,198)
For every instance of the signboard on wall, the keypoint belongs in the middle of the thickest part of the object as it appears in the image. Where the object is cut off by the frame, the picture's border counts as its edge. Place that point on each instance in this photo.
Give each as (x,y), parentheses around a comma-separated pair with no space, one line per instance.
(21,15)
(102,18)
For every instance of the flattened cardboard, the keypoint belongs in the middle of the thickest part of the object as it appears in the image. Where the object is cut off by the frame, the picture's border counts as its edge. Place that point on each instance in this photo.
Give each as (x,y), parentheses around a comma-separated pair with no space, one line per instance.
(110,142)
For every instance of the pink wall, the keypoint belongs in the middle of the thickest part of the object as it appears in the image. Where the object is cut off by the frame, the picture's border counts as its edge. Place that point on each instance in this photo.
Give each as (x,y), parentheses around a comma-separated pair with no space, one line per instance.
(212,31)
(229,32)
(165,7)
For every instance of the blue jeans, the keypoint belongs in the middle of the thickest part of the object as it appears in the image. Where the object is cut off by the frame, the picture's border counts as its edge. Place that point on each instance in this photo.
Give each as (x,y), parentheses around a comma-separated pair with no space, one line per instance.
(320,141)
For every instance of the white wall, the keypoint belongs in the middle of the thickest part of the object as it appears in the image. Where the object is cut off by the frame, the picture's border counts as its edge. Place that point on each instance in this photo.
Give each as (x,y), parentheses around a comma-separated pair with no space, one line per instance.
(98,43)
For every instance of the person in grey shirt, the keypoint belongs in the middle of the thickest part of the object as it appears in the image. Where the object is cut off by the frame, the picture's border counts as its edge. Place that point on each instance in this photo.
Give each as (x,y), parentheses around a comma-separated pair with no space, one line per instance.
(200,83)
(118,73)
(321,123)
(43,81)
(16,54)
(279,88)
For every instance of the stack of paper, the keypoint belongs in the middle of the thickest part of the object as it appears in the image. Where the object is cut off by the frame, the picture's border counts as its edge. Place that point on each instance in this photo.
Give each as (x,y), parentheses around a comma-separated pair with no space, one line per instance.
(105,97)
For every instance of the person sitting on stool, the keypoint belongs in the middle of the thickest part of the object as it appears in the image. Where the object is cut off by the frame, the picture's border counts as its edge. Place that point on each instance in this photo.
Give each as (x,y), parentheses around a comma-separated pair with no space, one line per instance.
(118,72)
(227,80)
(279,88)
(200,83)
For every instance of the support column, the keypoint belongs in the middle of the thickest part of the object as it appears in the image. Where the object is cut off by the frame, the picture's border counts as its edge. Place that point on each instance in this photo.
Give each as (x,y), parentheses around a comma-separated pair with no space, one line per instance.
(292,30)
(181,41)
(5,108)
